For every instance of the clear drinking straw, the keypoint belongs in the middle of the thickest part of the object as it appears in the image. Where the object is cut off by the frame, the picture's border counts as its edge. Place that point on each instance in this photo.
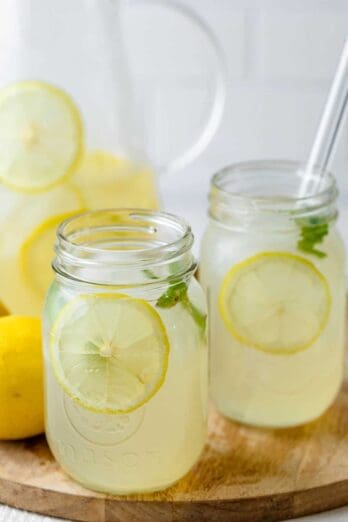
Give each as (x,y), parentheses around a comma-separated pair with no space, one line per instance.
(330,124)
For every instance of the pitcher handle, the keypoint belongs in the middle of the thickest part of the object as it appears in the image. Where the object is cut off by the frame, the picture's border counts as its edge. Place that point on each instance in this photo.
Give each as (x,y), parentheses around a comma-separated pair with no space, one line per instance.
(211,125)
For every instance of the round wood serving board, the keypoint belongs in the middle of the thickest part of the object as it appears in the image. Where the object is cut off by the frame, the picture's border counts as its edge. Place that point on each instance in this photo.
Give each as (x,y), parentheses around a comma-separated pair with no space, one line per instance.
(244,475)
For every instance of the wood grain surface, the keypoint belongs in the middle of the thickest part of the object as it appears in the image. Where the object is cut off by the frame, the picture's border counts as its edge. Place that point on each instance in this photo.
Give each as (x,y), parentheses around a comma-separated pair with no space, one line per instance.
(244,475)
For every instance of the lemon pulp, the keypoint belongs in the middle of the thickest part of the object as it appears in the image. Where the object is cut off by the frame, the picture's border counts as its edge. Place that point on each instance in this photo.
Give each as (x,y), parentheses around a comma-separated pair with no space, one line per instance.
(276,302)
(109,352)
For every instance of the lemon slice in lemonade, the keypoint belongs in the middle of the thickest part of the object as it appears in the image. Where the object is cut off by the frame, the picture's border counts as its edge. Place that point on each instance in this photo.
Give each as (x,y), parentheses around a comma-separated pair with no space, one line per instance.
(276,302)
(37,252)
(41,136)
(109,352)
(108,181)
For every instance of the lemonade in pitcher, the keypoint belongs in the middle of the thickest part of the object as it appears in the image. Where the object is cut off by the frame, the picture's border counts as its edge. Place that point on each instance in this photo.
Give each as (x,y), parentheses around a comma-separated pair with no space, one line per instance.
(273,267)
(46,175)
(70,135)
(125,352)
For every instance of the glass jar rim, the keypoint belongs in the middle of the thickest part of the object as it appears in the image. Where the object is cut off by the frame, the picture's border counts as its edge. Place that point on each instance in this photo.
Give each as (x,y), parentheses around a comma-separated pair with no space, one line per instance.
(264,194)
(123,220)
(327,192)
(120,240)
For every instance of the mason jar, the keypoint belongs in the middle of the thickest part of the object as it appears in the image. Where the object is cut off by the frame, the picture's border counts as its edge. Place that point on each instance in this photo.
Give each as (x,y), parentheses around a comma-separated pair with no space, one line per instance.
(125,351)
(273,267)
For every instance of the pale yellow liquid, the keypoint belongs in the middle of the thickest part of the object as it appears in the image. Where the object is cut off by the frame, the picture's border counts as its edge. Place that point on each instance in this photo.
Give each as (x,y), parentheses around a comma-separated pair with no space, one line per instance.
(271,390)
(152,447)
(102,181)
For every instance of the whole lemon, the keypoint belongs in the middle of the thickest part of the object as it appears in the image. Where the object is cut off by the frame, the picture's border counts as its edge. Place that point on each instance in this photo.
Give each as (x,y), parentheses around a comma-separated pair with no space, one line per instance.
(21,378)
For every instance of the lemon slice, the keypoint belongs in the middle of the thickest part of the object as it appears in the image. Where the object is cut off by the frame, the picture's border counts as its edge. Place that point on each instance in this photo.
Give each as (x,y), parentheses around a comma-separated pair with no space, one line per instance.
(107,181)
(37,252)
(109,352)
(276,302)
(26,214)
(41,136)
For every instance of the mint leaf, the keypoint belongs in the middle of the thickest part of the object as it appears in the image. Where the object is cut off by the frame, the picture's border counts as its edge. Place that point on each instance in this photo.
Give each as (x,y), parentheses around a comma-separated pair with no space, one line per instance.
(313,231)
(175,294)
(178,293)
(150,274)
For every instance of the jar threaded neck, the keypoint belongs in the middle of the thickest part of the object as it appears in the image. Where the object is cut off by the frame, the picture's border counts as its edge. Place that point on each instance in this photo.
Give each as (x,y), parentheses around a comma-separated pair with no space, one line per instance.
(265,193)
(121,247)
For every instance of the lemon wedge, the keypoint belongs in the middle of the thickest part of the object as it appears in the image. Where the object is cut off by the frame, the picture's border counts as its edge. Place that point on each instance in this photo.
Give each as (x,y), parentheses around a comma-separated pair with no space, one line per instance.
(276,302)
(109,352)
(107,181)
(41,136)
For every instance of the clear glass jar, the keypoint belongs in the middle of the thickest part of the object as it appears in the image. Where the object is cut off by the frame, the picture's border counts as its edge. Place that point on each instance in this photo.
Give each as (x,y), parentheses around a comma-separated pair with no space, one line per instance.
(125,351)
(273,266)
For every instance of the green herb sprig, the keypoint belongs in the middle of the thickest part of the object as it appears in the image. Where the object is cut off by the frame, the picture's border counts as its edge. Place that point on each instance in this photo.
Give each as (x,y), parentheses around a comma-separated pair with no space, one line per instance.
(149,274)
(176,293)
(313,232)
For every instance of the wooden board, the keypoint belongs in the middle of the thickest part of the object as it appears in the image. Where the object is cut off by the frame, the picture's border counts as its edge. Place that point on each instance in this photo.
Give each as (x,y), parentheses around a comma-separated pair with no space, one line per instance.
(244,475)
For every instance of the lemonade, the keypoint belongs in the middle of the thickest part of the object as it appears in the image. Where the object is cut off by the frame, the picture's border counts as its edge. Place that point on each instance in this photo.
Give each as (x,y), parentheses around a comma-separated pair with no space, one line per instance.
(49,170)
(273,267)
(125,352)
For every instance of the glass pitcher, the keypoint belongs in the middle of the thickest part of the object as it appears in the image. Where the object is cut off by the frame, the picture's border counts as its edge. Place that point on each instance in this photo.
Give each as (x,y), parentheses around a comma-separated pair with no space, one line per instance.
(69,135)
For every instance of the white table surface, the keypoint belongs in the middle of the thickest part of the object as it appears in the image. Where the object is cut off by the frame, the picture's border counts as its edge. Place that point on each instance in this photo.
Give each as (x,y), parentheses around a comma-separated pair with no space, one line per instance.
(13,515)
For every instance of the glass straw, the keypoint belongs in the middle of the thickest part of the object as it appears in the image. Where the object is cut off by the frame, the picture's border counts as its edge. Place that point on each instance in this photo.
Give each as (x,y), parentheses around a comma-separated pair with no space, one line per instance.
(330,124)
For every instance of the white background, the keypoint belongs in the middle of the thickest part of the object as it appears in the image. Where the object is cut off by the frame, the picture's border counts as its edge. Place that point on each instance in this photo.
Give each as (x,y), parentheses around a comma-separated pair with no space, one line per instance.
(280,56)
